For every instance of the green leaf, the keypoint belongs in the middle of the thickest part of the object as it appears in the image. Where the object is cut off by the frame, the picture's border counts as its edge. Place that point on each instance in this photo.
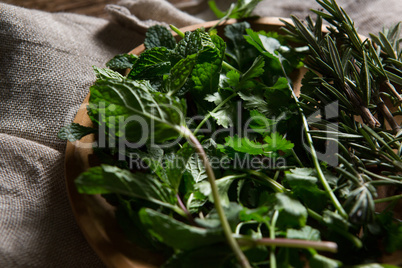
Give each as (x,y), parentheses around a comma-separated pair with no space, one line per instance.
(276,142)
(224,117)
(334,220)
(238,48)
(256,69)
(107,179)
(266,45)
(159,36)
(196,168)
(260,123)
(122,62)
(74,132)
(131,110)
(193,43)
(206,73)
(319,261)
(244,145)
(177,165)
(151,63)
(360,206)
(170,166)
(212,220)
(104,73)
(291,212)
(239,10)
(260,214)
(305,233)
(303,182)
(177,234)
(335,58)
(223,185)
(273,102)
(180,72)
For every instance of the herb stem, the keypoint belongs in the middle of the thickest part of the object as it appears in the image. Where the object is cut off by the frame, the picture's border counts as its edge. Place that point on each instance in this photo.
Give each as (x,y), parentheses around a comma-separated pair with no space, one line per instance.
(206,118)
(297,158)
(185,210)
(313,152)
(276,186)
(289,243)
(176,30)
(272,258)
(356,241)
(388,199)
(230,67)
(218,206)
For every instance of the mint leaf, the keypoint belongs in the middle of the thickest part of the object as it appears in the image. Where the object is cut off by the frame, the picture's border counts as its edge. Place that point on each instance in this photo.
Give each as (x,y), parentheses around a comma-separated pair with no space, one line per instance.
(159,36)
(122,62)
(180,72)
(206,72)
(131,110)
(151,63)
(169,166)
(223,185)
(196,168)
(107,179)
(104,73)
(177,234)
(191,43)
(74,132)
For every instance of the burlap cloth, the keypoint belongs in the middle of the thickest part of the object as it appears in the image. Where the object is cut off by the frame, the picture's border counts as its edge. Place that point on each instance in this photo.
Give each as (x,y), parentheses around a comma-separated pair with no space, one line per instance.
(45,72)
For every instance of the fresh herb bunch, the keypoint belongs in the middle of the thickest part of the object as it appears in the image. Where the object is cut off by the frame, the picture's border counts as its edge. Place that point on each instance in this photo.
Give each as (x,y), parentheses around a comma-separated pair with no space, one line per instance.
(266,176)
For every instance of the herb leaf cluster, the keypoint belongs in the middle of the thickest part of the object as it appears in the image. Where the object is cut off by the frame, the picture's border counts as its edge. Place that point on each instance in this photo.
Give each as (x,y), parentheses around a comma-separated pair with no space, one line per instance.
(206,193)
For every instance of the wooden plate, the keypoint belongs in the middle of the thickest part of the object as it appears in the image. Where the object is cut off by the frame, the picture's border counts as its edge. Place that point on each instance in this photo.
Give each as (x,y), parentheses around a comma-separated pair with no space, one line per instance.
(93,214)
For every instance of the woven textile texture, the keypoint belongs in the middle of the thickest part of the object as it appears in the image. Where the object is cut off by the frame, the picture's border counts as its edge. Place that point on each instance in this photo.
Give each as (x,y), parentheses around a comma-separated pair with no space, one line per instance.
(45,73)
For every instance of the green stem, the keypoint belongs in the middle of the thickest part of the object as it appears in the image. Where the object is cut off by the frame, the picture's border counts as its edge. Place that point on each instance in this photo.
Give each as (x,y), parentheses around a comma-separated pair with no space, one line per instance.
(355,241)
(230,67)
(388,199)
(176,30)
(272,258)
(289,243)
(218,206)
(206,118)
(276,186)
(313,152)
(297,158)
